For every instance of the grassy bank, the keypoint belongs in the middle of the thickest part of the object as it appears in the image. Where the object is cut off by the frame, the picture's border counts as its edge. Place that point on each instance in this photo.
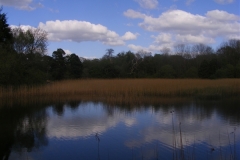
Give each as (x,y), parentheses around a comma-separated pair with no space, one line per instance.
(123,90)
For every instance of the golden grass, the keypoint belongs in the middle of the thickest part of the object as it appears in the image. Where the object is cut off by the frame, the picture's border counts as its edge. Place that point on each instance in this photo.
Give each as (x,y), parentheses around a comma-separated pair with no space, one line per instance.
(122,90)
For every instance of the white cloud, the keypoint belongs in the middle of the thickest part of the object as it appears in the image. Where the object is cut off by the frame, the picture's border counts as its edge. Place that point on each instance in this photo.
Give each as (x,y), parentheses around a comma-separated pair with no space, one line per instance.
(151,48)
(160,48)
(181,22)
(79,31)
(224,1)
(165,41)
(137,47)
(174,20)
(98,125)
(222,16)
(68,52)
(129,36)
(85,123)
(134,14)
(21,4)
(194,132)
(180,26)
(161,42)
(186,39)
(233,36)
(91,58)
(130,122)
(163,38)
(148,4)
(23,27)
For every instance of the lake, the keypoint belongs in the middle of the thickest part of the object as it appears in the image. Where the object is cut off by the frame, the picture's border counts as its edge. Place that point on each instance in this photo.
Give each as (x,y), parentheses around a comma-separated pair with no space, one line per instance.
(92,131)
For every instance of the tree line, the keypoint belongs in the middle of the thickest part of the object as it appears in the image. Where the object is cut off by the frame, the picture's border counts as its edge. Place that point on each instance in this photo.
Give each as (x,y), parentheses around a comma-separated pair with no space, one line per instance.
(196,61)
(23,60)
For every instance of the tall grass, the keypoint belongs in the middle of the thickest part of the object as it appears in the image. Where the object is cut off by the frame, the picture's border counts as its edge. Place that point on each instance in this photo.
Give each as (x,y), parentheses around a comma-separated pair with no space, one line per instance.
(122,90)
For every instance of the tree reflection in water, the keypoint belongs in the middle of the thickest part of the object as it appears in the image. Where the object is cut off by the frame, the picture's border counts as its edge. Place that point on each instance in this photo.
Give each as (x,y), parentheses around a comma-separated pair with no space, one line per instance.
(25,128)
(22,128)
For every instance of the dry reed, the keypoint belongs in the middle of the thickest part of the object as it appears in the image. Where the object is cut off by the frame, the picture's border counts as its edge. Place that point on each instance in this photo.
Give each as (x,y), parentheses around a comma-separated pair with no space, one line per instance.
(122,90)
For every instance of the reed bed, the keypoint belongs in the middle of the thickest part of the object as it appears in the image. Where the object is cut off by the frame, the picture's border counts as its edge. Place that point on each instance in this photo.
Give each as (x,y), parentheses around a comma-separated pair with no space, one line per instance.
(122,90)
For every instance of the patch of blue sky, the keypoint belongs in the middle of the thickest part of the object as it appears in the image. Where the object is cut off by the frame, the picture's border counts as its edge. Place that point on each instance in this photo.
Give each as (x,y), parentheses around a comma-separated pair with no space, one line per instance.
(89,27)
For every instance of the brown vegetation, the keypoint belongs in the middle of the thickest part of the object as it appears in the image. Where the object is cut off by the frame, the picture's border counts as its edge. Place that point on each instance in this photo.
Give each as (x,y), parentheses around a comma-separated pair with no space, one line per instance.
(122,90)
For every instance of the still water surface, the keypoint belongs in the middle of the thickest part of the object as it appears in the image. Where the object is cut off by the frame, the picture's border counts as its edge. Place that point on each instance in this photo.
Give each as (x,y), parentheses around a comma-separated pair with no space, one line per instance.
(87,130)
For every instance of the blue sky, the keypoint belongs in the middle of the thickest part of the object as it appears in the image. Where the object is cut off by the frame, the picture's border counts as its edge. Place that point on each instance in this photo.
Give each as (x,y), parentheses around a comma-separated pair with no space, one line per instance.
(89,27)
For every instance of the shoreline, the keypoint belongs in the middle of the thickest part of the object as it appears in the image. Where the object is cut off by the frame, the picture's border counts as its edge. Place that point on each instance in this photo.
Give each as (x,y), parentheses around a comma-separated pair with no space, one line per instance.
(123,90)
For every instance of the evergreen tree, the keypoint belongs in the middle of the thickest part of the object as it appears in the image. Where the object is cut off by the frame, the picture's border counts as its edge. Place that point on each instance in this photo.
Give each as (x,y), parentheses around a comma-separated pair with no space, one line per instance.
(74,66)
(58,66)
(5,31)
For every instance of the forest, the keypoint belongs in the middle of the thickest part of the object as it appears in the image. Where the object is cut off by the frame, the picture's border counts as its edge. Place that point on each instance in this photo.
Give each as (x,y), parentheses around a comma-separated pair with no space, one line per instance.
(23,60)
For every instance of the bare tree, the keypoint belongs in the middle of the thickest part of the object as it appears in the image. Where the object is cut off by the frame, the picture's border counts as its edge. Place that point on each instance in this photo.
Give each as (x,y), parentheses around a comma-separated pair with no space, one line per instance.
(201,49)
(139,57)
(30,41)
(233,43)
(109,54)
(142,54)
(165,50)
(183,50)
(135,63)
